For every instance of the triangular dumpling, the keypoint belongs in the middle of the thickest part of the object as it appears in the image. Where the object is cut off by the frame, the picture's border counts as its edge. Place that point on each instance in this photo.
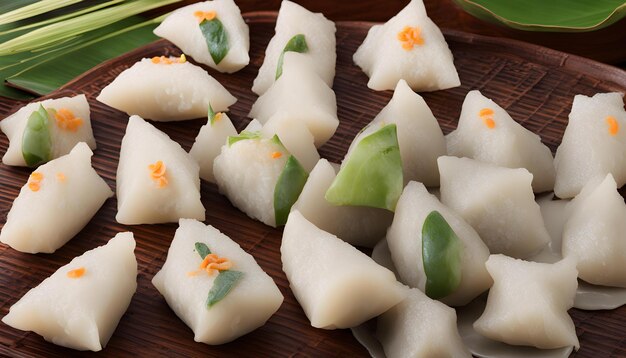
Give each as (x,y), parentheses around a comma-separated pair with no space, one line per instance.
(300,95)
(58,200)
(68,120)
(404,238)
(209,142)
(337,285)
(593,145)
(296,137)
(498,202)
(408,47)
(318,33)
(165,89)
(80,305)
(528,303)
(595,233)
(416,327)
(252,299)
(157,181)
(419,135)
(357,225)
(183,28)
(486,132)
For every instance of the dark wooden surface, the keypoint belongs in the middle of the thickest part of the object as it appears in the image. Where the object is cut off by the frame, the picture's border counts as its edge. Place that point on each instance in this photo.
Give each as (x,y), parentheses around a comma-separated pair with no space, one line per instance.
(536,85)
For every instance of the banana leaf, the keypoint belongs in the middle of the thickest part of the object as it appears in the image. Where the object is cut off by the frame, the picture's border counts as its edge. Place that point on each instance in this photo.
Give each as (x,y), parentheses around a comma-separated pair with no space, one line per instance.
(51,73)
(548,15)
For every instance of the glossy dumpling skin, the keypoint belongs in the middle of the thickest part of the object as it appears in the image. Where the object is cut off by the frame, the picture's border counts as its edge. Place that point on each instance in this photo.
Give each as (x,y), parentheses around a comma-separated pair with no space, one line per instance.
(594,143)
(165,91)
(498,202)
(337,285)
(209,142)
(486,132)
(528,303)
(149,193)
(419,135)
(425,67)
(420,327)
(248,305)
(299,95)
(404,238)
(182,28)
(319,34)
(58,200)
(594,234)
(357,225)
(63,140)
(82,312)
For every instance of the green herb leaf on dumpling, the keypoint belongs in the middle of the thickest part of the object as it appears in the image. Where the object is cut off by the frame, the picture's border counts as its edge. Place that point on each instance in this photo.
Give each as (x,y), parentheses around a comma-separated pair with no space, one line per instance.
(441,254)
(202,249)
(288,189)
(36,140)
(295,44)
(216,39)
(242,136)
(223,284)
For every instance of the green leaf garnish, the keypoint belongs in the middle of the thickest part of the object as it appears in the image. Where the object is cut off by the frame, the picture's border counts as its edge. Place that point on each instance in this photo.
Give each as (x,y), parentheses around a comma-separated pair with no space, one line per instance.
(295,44)
(242,136)
(216,39)
(211,115)
(372,174)
(441,253)
(36,141)
(288,188)
(202,250)
(224,282)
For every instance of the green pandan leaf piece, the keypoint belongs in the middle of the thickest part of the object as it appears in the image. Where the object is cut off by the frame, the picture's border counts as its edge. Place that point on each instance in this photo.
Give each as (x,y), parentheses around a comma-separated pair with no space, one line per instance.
(36,141)
(372,174)
(211,114)
(224,282)
(216,39)
(295,44)
(441,253)
(288,188)
(202,249)
(242,136)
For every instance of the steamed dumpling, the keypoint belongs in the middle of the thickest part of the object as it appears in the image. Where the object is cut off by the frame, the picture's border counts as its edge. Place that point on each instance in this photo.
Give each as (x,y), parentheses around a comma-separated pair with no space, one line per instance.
(259,176)
(183,28)
(165,89)
(594,143)
(80,305)
(209,142)
(337,285)
(296,137)
(317,32)
(420,327)
(300,94)
(191,288)
(405,236)
(594,235)
(68,123)
(58,200)
(357,225)
(497,201)
(408,47)
(157,181)
(528,303)
(486,132)
(419,135)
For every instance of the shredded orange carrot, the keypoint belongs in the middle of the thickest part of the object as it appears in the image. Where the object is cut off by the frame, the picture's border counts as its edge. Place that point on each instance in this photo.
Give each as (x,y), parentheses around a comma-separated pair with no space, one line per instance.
(218,116)
(205,15)
(66,120)
(60,177)
(486,114)
(157,173)
(34,181)
(76,273)
(162,60)
(613,125)
(276,155)
(213,262)
(410,37)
